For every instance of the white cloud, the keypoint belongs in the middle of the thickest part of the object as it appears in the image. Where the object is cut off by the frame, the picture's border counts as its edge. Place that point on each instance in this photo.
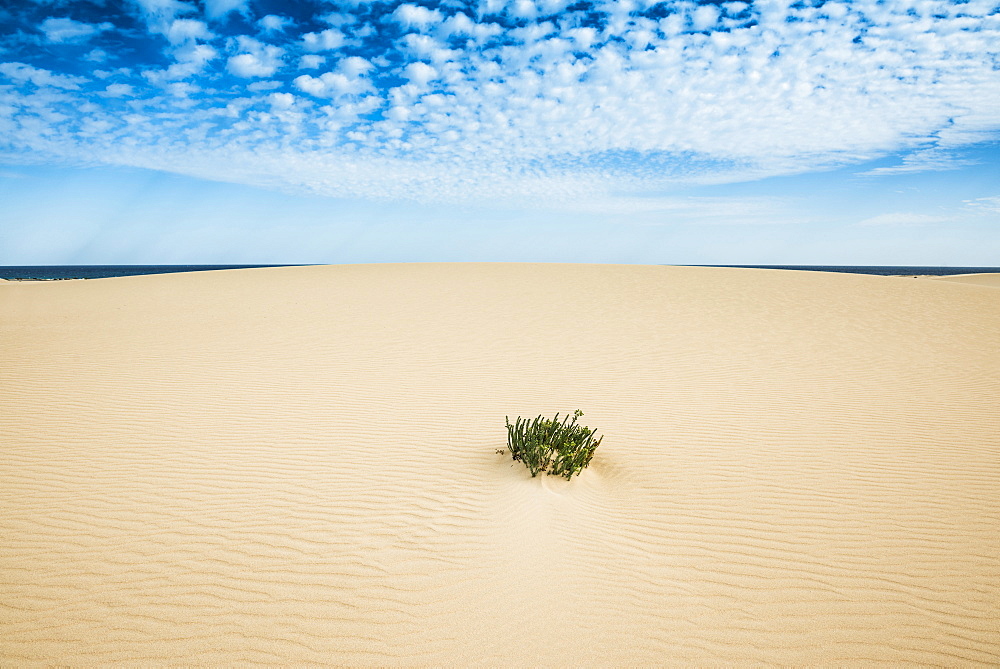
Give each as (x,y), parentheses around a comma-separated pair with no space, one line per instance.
(216,9)
(23,73)
(339,19)
(257,59)
(988,205)
(583,38)
(96,56)
(460,24)
(281,101)
(355,66)
(272,23)
(197,54)
(107,74)
(187,48)
(119,90)
(327,40)
(65,30)
(191,58)
(929,160)
(704,17)
(251,65)
(186,30)
(420,74)
(429,48)
(311,62)
(415,16)
(510,96)
(349,79)
(181,89)
(523,9)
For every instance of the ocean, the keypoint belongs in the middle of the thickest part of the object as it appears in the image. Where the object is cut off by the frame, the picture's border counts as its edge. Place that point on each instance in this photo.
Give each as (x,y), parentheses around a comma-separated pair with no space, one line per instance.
(880,270)
(57,272)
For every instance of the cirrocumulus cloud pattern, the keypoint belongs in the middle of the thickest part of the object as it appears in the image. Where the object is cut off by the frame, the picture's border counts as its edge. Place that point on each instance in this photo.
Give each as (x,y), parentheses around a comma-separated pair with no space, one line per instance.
(496,99)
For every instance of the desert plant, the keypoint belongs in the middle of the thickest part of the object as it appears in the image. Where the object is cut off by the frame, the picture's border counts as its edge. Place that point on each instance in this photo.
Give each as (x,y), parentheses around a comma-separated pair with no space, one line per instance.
(548,445)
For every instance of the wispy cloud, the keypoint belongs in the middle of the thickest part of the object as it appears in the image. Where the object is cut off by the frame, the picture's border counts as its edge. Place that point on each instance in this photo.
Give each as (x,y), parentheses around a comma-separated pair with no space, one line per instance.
(984,205)
(65,30)
(931,160)
(542,99)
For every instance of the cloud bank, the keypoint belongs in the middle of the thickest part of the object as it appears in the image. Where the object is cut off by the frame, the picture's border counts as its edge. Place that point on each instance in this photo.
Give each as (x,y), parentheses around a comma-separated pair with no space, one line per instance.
(496,99)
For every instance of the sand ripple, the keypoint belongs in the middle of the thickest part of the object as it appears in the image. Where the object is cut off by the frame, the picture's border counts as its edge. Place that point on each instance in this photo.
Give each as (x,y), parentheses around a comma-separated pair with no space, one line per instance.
(296,465)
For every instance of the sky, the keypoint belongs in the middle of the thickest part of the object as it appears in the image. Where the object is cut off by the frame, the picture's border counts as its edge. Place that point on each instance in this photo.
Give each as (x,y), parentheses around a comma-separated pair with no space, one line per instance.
(321,131)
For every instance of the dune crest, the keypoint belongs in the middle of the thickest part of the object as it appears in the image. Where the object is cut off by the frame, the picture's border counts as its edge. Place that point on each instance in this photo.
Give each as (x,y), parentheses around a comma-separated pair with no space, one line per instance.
(297,465)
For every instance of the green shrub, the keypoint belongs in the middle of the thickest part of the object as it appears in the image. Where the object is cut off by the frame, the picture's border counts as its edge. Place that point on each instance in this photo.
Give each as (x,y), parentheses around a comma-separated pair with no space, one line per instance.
(548,445)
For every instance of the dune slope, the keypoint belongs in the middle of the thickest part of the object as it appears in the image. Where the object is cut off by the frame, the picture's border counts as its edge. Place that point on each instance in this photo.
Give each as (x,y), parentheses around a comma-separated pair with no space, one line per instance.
(978,279)
(297,465)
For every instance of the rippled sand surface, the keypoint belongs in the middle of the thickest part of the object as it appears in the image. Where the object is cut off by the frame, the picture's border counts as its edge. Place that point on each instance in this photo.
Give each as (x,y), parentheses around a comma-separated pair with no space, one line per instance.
(297,465)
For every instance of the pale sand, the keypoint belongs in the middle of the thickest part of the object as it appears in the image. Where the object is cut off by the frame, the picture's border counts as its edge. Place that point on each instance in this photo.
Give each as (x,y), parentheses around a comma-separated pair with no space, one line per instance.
(979,279)
(297,465)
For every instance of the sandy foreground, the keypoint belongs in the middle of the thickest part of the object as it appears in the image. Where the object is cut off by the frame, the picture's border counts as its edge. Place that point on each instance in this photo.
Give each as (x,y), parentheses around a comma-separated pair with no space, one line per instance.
(297,465)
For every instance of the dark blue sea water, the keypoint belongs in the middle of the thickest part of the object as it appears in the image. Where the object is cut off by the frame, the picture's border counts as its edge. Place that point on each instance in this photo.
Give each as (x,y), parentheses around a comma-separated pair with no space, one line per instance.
(53,272)
(880,270)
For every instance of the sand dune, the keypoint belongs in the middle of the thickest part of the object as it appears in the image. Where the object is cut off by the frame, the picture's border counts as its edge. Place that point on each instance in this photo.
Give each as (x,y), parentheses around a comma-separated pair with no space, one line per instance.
(992,280)
(297,465)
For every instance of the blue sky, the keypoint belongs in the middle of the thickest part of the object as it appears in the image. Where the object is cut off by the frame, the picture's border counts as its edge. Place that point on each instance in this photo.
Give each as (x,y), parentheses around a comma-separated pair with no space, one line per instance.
(259,131)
